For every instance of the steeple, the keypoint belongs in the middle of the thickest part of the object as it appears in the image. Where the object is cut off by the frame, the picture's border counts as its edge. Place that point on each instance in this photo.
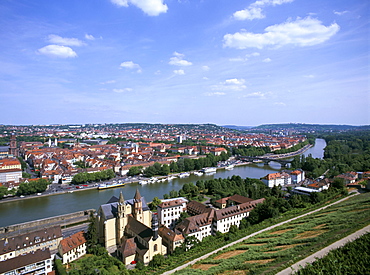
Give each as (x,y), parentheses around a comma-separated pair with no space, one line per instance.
(138,207)
(137,195)
(121,206)
(121,199)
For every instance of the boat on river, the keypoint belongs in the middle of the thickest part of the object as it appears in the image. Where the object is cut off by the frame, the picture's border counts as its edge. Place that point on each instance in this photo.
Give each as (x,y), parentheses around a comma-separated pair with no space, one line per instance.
(209,170)
(107,185)
(184,175)
(197,173)
(229,167)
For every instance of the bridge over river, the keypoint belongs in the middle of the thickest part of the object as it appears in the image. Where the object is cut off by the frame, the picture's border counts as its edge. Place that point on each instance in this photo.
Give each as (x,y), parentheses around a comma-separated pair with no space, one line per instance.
(266,160)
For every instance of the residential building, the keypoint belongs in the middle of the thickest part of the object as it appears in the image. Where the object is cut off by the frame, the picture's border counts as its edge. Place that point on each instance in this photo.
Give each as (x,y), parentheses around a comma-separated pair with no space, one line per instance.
(276,179)
(73,247)
(169,211)
(37,262)
(207,221)
(30,242)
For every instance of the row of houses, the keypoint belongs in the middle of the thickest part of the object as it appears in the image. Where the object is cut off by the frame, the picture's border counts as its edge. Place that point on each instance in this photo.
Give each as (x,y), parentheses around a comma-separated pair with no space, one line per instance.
(284,178)
(34,252)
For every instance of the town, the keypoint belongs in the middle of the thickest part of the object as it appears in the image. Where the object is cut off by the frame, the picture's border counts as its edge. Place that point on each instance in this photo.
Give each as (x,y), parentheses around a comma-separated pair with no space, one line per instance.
(137,232)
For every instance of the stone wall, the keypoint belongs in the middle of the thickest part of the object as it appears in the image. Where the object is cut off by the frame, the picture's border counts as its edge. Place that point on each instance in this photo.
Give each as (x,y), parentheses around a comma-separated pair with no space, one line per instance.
(62,220)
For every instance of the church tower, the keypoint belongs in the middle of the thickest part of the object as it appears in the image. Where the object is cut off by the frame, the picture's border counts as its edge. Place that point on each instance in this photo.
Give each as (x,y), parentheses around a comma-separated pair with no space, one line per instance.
(13,146)
(138,207)
(121,217)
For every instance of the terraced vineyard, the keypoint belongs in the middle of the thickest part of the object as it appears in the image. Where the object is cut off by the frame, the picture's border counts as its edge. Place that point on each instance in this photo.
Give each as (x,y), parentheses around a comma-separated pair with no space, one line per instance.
(274,250)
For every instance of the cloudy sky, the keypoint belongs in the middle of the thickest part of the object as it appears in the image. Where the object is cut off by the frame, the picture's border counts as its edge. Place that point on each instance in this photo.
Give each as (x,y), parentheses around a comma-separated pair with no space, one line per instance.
(235,62)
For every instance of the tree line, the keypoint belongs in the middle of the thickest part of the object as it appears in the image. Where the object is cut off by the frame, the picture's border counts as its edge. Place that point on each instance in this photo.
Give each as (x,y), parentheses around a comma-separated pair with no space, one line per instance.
(85,177)
(182,165)
(344,152)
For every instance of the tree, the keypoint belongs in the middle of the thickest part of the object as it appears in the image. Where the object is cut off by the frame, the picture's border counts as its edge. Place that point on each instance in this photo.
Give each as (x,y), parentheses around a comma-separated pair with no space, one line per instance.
(157,260)
(135,170)
(153,205)
(3,191)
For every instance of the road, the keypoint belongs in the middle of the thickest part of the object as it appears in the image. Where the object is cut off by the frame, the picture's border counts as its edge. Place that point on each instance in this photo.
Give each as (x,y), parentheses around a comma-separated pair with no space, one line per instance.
(323,252)
(252,235)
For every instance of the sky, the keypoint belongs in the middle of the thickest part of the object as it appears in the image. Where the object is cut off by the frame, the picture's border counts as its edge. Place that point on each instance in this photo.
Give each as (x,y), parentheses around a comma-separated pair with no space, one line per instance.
(227,62)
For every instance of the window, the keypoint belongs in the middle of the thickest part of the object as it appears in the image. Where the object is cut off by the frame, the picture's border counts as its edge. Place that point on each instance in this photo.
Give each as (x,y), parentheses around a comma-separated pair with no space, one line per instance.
(155,247)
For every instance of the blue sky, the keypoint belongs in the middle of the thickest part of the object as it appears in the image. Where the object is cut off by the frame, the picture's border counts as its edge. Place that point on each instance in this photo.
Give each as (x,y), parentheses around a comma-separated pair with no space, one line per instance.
(184,61)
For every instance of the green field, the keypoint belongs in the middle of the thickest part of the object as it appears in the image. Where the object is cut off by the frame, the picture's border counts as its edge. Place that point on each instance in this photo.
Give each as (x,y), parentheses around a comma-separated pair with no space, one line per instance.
(274,250)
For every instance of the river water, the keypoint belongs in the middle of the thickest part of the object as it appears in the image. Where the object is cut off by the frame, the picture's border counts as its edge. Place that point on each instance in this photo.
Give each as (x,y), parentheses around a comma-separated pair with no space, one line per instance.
(42,207)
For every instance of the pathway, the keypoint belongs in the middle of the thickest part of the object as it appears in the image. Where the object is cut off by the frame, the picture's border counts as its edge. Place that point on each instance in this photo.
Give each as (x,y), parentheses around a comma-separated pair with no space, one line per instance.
(323,252)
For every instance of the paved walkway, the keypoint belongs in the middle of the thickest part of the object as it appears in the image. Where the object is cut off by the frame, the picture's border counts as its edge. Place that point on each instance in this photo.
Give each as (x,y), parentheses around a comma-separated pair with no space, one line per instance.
(323,252)
(252,235)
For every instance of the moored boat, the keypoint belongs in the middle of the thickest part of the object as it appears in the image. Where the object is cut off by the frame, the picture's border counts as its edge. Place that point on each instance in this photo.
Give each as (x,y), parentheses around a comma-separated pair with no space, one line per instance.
(110,185)
(209,170)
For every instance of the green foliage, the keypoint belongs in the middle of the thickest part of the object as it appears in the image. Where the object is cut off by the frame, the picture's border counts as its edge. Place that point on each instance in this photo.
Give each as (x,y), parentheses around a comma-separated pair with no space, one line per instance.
(135,170)
(26,175)
(250,151)
(32,187)
(93,264)
(59,267)
(157,260)
(84,177)
(344,152)
(353,258)
(23,163)
(81,164)
(153,205)
(3,191)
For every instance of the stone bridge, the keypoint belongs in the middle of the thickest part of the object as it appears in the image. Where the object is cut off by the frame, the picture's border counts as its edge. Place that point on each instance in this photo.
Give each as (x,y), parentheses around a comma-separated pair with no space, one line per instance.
(265,160)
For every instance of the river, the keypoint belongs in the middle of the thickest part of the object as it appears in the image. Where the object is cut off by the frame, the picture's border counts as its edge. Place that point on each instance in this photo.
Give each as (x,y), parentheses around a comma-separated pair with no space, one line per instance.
(19,211)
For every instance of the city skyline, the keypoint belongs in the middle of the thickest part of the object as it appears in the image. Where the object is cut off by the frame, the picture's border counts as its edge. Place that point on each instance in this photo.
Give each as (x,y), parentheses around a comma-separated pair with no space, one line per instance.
(177,61)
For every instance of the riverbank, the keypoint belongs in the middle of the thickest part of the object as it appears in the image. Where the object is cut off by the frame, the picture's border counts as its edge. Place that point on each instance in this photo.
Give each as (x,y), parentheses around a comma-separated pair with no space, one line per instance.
(73,189)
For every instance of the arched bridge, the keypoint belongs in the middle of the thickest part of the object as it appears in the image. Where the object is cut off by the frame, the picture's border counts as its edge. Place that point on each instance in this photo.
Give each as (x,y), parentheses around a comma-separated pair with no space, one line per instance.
(266,160)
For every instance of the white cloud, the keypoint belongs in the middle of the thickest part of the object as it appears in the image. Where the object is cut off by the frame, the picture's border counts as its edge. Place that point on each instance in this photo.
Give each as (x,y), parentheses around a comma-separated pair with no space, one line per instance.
(238,59)
(302,32)
(89,37)
(266,60)
(57,51)
(179,72)
(122,90)
(131,65)
(205,68)
(280,103)
(309,76)
(108,82)
(233,84)
(56,39)
(249,14)
(177,60)
(340,12)
(150,7)
(254,10)
(215,94)
(255,95)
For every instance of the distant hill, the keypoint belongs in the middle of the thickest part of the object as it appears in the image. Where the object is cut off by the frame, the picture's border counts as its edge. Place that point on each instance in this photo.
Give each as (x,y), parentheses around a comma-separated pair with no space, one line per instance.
(235,127)
(302,127)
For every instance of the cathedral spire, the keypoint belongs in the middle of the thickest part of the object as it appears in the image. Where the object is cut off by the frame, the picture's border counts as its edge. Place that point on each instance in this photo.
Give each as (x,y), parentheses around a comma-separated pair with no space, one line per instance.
(121,199)
(137,195)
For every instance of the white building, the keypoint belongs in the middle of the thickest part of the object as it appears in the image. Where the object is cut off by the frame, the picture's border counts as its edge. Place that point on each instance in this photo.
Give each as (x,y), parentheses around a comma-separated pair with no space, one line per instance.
(276,179)
(72,248)
(38,262)
(207,221)
(169,211)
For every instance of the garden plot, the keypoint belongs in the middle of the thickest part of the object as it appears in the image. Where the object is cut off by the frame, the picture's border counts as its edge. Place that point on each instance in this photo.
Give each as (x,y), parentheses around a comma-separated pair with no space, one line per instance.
(229,254)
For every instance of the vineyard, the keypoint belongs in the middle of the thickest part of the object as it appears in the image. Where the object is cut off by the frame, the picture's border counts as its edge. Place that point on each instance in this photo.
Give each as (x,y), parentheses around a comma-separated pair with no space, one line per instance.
(274,250)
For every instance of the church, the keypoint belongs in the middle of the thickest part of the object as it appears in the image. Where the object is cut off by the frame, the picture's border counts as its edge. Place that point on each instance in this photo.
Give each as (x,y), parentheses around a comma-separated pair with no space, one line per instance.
(129,227)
